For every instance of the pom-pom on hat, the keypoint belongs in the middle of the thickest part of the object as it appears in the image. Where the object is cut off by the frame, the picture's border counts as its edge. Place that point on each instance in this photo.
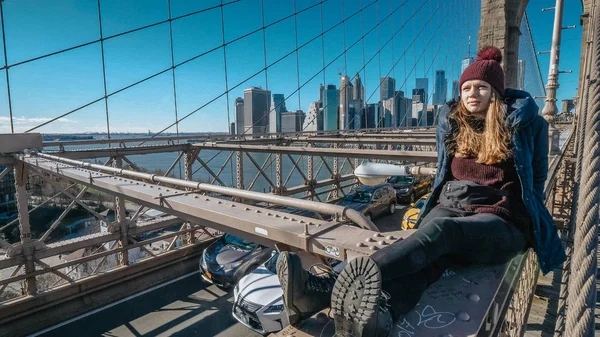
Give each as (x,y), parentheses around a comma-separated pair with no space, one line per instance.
(486,68)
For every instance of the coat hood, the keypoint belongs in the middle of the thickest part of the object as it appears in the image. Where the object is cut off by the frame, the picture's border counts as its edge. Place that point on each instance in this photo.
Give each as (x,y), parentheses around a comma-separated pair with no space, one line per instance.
(522,109)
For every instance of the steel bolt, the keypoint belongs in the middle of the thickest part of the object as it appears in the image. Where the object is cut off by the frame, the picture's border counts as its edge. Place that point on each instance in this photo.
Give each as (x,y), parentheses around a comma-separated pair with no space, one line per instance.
(463,316)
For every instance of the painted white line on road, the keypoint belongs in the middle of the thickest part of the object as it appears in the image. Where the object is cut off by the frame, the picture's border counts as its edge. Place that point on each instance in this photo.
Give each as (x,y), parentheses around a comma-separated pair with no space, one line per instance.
(112,304)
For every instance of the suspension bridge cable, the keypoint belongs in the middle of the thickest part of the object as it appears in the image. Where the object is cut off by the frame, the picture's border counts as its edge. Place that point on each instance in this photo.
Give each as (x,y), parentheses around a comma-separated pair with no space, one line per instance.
(160,72)
(413,41)
(104,73)
(12,128)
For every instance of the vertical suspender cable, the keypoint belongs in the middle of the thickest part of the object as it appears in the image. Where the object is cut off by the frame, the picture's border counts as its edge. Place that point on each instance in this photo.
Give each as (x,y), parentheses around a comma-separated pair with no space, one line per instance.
(103,72)
(12,128)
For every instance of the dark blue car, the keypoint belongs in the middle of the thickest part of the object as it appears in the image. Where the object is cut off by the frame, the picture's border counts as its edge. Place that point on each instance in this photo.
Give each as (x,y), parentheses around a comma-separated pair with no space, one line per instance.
(229,258)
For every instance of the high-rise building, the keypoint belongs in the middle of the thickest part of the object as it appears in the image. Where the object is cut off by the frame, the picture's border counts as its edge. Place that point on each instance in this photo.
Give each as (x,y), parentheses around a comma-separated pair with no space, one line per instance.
(386,88)
(418,107)
(440,88)
(8,200)
(423,83)
(370,114)
(521,75)
(239,115)
(331,102)
(314,117)
(358,91)
(467,61)
(388,111)
(455,90)
(277,107)
(257,104)
(232,128)
(346,93)
(292,121)
(313,121)
(403,117)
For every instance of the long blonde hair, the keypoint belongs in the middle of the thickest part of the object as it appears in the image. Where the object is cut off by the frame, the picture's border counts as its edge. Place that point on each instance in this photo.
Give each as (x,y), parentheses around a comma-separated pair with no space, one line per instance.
(490,145)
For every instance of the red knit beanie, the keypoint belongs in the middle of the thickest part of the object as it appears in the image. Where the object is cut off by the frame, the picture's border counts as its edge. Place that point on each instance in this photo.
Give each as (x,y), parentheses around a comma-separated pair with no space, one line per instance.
(486,68)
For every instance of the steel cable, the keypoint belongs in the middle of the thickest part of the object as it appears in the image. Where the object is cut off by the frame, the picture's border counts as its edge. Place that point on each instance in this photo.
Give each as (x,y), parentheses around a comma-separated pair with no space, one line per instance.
(582,298)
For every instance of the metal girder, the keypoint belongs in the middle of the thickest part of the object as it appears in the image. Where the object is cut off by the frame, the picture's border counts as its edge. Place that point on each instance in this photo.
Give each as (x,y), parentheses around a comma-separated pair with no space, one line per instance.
(328,238)
(116,152)
(409,156)
(429,140)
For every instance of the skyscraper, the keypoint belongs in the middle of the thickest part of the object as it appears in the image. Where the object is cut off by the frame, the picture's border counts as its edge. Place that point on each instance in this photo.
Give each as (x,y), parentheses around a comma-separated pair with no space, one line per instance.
(455,90)
(467,61)
(346,93)
(423,83)
(418,106)
(257,104)
(388,110)
(239,115)
(314,117)
(277,107)
(440,90)
(331,102)
(232,128)
(403,107)
(292,121)
(386,88)
(358,91)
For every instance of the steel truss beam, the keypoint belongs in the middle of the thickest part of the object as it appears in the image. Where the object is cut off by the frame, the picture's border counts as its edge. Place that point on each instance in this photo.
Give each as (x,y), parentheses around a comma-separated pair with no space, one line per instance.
(253,223)
(408,156)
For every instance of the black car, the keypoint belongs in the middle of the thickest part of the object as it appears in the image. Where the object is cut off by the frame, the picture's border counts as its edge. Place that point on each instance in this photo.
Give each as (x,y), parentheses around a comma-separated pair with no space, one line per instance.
(372,201)
(409,188)
(229,258)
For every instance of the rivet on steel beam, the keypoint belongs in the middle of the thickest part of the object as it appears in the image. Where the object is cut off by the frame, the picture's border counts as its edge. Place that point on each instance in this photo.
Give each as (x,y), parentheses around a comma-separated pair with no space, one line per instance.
(383,243)
(463,316)
(390,237)
(270,214)
(232,205)
(369,240)
(219,202)
(360,244)
(258,211)
(377,235)
(373,248)
(207,199)
(474,297)
(277,216)
(196,197)
(310,223)
(302,221)
(246,209)
(285,217)
(293,219)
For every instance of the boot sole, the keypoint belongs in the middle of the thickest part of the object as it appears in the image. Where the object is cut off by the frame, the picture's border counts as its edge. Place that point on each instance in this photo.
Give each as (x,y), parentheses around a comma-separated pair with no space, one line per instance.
(355,299)
(287,286)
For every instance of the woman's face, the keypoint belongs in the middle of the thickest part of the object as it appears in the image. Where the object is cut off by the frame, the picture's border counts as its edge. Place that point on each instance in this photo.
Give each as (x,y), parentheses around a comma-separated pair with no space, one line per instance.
(476,95)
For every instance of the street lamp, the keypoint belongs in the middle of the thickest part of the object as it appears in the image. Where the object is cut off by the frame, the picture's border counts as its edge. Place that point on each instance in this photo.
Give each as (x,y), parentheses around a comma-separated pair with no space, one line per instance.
(376,173)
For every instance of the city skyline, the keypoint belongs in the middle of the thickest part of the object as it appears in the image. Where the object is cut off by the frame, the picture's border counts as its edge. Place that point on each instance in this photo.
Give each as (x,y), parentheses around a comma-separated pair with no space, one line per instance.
(71,83)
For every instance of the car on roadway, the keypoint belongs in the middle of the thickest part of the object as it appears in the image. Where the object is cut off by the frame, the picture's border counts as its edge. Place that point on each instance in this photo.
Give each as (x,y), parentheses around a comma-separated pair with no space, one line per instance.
(409,220)
(409,188)
(229,258)
(258,297)
(372,201)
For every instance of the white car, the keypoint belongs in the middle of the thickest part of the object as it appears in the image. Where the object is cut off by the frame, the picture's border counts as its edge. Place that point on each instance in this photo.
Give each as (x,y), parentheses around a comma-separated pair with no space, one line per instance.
(258,298)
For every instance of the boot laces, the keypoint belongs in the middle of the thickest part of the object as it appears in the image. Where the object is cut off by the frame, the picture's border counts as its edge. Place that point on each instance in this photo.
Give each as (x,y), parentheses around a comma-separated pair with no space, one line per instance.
(321,283)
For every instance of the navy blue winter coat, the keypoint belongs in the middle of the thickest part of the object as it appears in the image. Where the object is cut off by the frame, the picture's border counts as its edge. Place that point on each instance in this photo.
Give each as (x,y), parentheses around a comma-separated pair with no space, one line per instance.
(530,148)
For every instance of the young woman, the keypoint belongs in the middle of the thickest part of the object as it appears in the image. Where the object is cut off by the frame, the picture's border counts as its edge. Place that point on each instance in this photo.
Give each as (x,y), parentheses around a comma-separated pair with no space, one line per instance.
(487,205)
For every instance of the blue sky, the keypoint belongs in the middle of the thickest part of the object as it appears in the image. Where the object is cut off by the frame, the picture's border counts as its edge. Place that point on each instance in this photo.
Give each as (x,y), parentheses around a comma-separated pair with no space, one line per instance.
(412,39)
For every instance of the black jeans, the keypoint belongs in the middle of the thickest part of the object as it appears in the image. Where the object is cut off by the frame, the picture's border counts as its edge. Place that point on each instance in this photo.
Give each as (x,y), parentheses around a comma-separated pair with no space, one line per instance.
(446,236)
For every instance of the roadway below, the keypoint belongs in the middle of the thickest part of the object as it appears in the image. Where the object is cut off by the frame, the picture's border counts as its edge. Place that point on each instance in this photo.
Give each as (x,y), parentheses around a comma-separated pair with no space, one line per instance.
(185,307)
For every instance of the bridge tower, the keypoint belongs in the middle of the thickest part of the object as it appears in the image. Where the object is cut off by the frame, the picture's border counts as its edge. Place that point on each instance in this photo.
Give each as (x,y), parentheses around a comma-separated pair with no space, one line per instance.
(500,22)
